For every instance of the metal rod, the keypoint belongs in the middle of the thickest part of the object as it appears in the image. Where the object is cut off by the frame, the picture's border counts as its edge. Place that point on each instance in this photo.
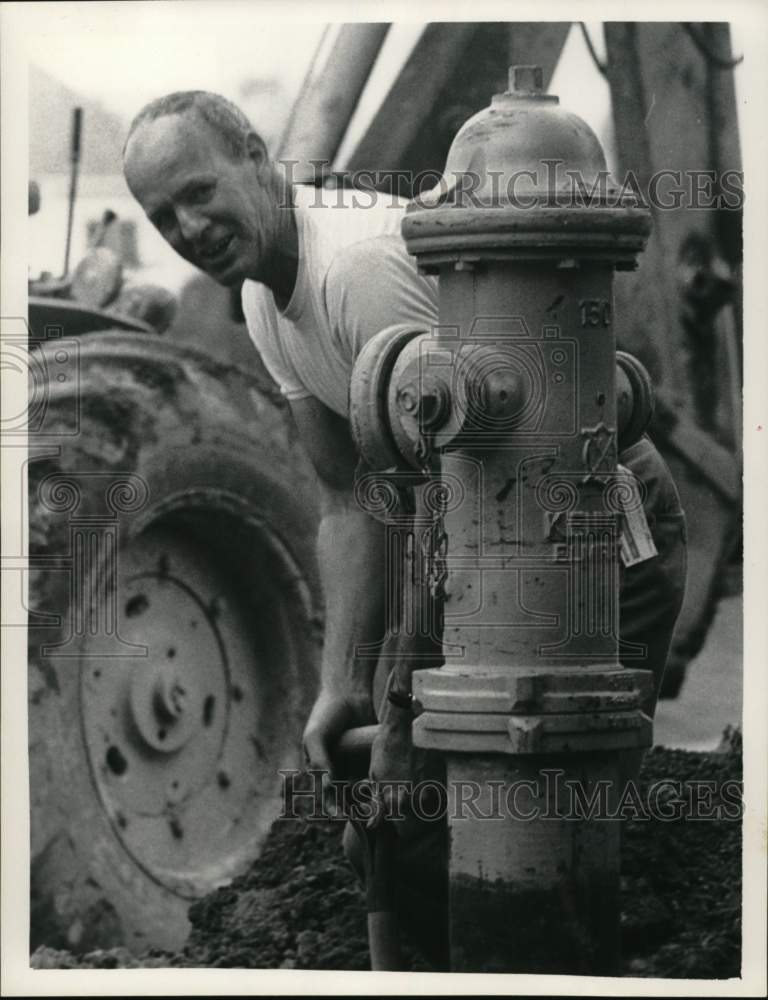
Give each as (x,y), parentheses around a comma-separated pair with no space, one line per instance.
(77,124)
(357,740)
(378,852)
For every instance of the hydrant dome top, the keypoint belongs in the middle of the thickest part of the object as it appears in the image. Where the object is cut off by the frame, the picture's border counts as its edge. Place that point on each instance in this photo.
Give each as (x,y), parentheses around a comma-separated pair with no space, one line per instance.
(527,180)
(523,142)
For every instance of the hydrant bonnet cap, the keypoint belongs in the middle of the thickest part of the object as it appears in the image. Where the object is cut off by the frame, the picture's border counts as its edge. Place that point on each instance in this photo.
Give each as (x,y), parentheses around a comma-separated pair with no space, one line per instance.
(524,142)
(526,179)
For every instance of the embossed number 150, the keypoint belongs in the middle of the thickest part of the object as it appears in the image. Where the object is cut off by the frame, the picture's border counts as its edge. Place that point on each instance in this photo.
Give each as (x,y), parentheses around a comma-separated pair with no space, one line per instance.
(595,312)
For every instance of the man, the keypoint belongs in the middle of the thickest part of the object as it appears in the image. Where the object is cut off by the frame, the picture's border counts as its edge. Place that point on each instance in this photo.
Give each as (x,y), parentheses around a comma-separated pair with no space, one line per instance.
(319,280)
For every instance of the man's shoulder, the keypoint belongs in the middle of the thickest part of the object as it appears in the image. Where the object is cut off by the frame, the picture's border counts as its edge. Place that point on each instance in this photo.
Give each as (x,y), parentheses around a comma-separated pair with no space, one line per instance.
(346,216)
(252,294)
(375,283)
(372,260)
(339,198)
(258,305)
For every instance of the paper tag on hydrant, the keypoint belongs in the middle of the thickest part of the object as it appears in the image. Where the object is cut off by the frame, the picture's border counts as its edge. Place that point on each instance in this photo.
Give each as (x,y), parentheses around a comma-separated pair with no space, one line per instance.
(636,543)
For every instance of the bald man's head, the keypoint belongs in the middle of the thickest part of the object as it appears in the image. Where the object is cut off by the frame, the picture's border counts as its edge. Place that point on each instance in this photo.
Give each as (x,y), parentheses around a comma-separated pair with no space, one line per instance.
(217,209)
(225,120)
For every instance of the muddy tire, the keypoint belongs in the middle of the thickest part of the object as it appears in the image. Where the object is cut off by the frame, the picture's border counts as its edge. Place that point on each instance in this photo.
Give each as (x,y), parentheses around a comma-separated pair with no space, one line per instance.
(174,635)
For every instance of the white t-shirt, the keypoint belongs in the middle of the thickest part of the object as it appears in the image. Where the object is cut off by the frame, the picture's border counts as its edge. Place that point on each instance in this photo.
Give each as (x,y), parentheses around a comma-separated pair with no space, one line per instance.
(354,278)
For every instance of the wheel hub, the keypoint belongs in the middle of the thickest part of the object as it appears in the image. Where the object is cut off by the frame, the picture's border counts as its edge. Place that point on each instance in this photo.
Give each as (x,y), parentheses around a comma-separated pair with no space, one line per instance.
(166,706)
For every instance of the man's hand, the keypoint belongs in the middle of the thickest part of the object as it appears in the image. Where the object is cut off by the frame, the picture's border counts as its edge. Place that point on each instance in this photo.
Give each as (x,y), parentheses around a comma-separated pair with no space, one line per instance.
(331,715)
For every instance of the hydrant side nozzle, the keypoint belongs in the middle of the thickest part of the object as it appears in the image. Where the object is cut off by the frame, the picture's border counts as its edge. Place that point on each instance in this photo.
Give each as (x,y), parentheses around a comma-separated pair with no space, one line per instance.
(634,399)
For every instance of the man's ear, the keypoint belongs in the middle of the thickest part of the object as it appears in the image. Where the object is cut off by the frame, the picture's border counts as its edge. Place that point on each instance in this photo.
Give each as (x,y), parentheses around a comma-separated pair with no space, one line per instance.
(256,151)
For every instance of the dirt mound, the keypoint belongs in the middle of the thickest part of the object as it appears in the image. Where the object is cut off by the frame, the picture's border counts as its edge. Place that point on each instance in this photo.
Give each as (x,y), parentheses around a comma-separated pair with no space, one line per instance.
(300,907)
(681,877)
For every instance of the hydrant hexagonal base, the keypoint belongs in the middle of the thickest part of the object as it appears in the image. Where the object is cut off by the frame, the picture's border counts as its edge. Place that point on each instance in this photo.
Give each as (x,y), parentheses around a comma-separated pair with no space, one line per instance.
(520,711)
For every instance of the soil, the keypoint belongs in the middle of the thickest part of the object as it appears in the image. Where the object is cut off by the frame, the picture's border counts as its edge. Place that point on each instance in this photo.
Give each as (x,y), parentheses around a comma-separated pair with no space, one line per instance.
(300,907)
(681,879)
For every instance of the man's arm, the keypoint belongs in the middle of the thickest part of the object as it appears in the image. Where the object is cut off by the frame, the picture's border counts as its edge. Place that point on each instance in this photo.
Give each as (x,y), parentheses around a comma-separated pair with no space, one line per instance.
(652,592)
(351,556)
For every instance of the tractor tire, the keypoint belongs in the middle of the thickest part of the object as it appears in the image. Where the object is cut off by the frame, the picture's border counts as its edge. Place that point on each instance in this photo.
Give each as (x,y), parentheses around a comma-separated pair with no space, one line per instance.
(174,634)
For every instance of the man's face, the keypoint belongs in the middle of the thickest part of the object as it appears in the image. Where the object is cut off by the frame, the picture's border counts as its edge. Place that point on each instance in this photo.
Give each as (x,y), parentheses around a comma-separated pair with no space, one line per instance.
(213,209)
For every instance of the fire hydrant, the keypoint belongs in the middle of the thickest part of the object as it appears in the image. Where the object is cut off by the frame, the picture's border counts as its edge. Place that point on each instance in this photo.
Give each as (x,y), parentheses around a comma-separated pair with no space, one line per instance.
(510,405)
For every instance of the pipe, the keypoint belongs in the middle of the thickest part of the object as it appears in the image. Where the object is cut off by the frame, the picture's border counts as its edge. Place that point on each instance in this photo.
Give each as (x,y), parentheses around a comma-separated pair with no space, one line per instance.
(328,98)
